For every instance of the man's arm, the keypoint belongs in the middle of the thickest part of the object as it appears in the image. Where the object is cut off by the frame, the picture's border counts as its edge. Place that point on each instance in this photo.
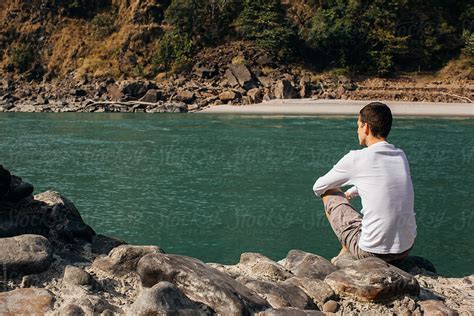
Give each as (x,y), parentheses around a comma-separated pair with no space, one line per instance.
(338,176)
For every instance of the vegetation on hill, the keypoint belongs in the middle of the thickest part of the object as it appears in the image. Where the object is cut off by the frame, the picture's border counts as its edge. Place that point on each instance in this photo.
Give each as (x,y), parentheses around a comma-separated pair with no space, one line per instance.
(142,38)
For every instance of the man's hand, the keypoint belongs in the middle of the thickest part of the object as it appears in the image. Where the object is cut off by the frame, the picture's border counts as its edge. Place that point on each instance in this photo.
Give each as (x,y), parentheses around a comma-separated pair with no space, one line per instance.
(348,196)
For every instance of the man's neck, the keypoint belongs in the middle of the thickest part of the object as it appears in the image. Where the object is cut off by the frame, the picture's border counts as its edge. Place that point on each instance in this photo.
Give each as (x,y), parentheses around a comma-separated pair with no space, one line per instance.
(374,140)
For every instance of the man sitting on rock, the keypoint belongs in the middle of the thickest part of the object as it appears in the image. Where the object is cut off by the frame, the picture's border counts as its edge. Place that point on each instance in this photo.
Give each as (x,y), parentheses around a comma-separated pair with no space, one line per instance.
(380,175)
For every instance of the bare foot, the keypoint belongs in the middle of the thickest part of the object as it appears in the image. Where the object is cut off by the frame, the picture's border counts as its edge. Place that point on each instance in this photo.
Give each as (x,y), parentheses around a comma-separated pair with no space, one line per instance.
(341,253)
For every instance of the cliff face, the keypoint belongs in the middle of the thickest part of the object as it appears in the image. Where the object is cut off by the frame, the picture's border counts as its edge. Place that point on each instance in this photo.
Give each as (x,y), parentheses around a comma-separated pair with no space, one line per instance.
(55,38)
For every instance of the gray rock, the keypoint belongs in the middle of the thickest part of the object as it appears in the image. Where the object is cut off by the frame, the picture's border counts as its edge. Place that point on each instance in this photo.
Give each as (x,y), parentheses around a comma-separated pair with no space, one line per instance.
(135,89)
(152,96)
(284,90)
(103,244)
(228,96)
(265,81)
(123,259)
(185,96)
(72,310)
(25,254)
(204,71)
(279,294)
(231,80)
(164,298)
(26,302)
(305,264)
(372,279)
(436,308)
(242,74)
(330,306)
(257,266)
(256,95)
(318,290)
(200,283)
(74,276)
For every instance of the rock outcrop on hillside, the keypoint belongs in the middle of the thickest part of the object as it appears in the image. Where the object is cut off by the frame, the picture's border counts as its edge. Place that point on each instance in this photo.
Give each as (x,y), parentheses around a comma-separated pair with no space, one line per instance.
(55,264)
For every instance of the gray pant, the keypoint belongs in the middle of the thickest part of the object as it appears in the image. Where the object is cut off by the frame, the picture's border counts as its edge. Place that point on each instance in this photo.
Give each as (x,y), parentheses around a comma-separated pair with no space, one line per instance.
(346,222)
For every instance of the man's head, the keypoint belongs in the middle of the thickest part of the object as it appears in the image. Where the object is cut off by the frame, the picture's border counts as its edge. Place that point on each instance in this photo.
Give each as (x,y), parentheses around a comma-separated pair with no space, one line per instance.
(374,122)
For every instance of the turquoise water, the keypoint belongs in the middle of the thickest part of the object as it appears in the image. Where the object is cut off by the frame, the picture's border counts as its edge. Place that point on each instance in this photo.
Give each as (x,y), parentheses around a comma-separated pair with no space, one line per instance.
(214,186)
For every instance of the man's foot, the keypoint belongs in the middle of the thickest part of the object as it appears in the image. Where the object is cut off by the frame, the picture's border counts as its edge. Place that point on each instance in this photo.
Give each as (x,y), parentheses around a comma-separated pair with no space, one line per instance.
(343,254)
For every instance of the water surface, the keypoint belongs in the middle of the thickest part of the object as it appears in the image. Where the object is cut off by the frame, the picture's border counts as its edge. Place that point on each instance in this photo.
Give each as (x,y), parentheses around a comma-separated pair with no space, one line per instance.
(213,186)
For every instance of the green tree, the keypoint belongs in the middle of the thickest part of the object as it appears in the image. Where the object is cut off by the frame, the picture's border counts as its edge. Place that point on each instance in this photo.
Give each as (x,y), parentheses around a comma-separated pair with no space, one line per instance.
(264,22)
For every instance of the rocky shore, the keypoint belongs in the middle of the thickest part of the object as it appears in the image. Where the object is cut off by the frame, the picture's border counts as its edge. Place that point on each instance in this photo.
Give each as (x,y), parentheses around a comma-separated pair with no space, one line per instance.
(238,75)
(54,263)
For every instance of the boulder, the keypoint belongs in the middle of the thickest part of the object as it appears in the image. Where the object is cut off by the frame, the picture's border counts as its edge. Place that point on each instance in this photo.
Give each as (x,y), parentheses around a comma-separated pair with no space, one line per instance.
(372,279)
(284,90)
(279,294)
(152,96)
(242,74)
(305,264)
(256,95)
(318,290)
(436,308)
(74,276)
(123,259)
(200,283)
(26,302)
(185,96)
(135,89)
(257,266)
(228,96)
(164,298)
(266,82)
(25,254)
(204,71)
(231,80)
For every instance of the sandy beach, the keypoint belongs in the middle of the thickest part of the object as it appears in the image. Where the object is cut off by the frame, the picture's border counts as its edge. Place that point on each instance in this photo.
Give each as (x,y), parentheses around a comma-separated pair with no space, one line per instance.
(344,108)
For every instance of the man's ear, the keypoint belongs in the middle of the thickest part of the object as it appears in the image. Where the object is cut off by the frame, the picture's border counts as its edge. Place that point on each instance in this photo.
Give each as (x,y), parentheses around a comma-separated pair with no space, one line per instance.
(366,129)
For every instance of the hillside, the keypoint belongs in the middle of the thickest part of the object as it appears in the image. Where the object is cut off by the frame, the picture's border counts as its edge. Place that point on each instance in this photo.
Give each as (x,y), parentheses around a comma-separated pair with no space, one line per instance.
(88,45)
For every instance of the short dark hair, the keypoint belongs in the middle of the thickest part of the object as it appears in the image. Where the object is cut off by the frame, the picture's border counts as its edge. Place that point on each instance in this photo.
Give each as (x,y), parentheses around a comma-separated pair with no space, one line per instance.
(379,118)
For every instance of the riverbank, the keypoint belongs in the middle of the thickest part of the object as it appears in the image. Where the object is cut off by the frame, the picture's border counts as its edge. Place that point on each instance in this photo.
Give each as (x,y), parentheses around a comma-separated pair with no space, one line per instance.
(345,107)
(54,263)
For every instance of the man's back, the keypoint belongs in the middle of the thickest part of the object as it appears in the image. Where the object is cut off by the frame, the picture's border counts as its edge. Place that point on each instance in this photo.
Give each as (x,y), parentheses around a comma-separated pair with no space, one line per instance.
(381,176)
(383,181)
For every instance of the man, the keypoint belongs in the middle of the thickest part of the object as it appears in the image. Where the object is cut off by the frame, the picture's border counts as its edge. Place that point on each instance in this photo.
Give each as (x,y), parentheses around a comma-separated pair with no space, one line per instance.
(380,175)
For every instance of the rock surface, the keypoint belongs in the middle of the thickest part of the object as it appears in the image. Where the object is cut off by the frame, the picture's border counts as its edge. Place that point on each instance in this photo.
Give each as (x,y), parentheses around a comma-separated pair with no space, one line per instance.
(26,302)
(372,279)
(200,283)
(25,254)
(164,298)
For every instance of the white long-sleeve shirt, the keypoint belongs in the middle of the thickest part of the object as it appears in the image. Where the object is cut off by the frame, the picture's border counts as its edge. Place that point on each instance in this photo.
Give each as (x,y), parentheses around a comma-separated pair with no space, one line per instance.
(381,177)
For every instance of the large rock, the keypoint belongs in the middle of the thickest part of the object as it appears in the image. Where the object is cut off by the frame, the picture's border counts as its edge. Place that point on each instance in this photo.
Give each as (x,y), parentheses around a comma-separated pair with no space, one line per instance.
(284,90)
(318,290)
(25,254)
(152,96)
(48,214)
(75,276)
(228,96)
(164,298)
(305,264)
(123,259)
(279,294)
(200,283)
(436,308)
(257,266)
(135,89)
(372,279)
(242,74)
(26,302)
